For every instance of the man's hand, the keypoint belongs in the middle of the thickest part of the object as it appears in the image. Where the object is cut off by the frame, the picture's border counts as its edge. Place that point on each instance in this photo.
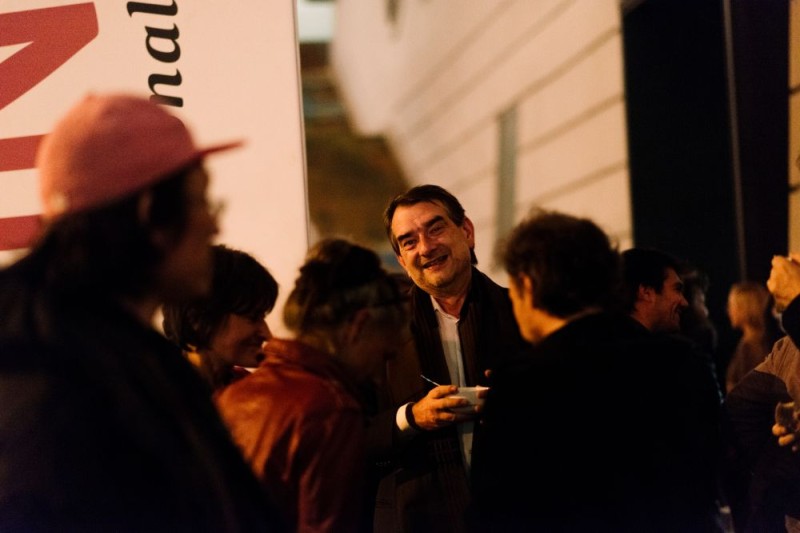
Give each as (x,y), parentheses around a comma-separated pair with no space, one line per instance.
(784,437)
(784,279)
(787,424)
(433,411)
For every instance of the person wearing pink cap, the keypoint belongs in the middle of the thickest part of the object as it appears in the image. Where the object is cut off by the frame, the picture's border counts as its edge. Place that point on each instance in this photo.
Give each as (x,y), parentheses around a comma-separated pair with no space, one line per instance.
(104,425)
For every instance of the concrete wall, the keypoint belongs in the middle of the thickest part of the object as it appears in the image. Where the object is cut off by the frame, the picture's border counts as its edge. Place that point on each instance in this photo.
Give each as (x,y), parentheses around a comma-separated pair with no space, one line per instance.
(436,78)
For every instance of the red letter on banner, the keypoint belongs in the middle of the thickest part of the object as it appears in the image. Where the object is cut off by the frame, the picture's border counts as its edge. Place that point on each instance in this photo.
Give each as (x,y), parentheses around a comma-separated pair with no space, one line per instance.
(55,34)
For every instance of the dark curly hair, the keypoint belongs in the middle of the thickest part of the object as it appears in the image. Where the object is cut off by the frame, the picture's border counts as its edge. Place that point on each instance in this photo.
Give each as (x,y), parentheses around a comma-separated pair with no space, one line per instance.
(644,267)
(337,279)
(570,261)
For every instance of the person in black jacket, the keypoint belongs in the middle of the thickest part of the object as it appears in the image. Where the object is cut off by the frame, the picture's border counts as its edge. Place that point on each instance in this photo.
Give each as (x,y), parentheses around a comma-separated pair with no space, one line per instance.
(618,418)
(462,327)
(104,425)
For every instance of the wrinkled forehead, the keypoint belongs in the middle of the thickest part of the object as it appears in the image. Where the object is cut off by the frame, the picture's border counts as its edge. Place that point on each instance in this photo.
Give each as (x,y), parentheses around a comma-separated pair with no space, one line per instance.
(418,213)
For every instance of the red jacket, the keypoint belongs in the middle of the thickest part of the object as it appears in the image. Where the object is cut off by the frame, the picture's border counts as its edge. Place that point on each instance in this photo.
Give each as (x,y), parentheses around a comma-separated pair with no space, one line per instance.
(299,423)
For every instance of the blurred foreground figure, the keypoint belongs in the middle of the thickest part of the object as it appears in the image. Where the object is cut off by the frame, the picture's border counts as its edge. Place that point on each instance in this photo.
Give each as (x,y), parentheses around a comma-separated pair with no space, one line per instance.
(104,426)
(300,417)
(622,423)
(223,333)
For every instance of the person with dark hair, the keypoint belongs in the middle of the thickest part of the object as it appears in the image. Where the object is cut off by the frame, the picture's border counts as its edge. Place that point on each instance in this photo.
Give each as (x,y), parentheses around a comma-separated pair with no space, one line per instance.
(104,425)
(223,333)
(611,430)
(652,291)
(695,321)
(462,326)
(300,417)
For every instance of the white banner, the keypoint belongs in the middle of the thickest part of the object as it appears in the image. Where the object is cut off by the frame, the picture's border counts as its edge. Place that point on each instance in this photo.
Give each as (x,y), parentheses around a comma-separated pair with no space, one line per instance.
(229,68)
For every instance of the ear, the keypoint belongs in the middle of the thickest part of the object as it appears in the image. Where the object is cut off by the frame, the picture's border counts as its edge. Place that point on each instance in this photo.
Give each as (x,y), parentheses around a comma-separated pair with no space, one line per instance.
(469,231)
(526,286)
(522,286)
(645,294)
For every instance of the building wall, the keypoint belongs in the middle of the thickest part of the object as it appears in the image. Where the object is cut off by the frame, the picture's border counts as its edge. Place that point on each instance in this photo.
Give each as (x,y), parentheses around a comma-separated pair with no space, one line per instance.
(436,77)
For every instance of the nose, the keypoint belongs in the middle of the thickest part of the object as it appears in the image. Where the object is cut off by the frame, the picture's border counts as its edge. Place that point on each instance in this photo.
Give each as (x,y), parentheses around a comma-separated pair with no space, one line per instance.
(426,244)
(264,331)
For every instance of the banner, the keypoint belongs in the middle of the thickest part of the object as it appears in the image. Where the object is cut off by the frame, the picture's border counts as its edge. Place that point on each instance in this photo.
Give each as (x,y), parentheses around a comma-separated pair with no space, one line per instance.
(229,69)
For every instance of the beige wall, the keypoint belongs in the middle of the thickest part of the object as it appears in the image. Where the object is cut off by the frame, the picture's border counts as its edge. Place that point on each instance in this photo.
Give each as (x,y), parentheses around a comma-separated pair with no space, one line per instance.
(436,80)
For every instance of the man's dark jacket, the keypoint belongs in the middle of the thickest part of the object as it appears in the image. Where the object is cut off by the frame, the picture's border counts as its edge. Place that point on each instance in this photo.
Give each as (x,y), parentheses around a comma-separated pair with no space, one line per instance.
(425,485)
(104,426)
(604,427)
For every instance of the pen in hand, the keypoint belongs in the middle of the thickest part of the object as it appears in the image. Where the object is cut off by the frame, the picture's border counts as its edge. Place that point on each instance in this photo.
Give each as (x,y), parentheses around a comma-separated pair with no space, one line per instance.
(429,380)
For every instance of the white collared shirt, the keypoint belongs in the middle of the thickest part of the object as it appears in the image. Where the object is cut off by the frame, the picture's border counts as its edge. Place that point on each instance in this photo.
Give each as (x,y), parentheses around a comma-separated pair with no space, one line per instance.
(451,345)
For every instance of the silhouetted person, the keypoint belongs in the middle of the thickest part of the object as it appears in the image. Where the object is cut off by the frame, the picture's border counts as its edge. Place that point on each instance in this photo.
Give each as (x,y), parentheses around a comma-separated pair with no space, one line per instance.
(105,425)
(621,424)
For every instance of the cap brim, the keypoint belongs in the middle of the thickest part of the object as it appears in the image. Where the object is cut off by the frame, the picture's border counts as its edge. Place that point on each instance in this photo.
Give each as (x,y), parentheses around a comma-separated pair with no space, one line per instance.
(219,148)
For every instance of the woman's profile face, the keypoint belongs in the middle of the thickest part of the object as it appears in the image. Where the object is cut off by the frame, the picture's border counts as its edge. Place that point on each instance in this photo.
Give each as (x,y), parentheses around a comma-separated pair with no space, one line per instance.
(734,311)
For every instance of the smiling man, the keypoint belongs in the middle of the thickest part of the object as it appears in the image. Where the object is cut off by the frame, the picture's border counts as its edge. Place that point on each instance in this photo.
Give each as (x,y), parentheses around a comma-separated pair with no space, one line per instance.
(104,426)
(462,325)
(652,289)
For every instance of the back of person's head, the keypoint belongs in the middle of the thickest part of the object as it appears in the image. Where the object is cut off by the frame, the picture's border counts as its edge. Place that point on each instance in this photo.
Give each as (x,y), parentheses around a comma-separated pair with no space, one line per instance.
(240,286)
(570,261)
(337,279)
(646,267)
(752,302)
(425,193)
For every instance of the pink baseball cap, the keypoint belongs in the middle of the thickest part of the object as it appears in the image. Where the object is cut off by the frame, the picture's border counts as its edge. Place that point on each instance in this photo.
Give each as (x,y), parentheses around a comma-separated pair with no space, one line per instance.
(109,146)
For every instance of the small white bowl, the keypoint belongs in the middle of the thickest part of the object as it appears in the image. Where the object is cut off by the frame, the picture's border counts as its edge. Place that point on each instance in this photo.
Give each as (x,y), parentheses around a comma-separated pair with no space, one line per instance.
(471,395)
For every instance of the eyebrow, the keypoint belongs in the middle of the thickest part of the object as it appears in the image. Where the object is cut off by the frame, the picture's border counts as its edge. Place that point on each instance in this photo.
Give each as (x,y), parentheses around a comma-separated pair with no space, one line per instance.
(425,225)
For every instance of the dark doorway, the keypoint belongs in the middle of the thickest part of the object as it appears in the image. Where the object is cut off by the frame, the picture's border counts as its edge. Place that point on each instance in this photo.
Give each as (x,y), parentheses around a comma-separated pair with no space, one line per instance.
(707,100)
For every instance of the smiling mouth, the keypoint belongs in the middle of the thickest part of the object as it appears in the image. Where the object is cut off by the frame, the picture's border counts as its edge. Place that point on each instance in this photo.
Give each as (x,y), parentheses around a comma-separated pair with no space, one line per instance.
(434,263)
